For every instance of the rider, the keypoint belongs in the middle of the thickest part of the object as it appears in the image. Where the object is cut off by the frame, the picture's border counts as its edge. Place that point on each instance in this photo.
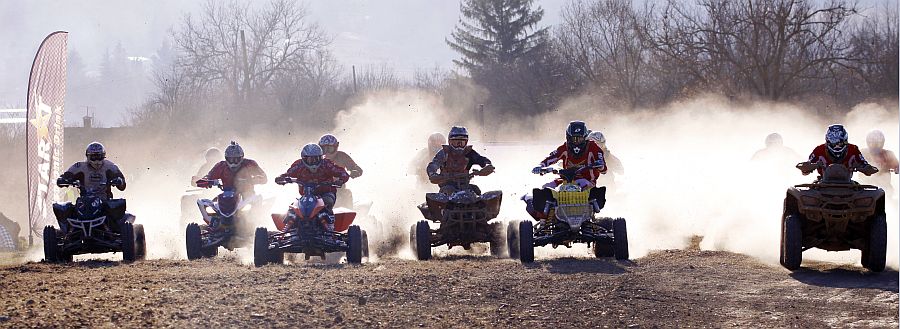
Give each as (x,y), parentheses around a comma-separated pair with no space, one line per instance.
(96,174)
(423,157)
(837,150)
(775,150)
(329,145)
(314,168)
(882,158)
(612,162)
(576,151)
(236,172)
(456,159)
(212,156)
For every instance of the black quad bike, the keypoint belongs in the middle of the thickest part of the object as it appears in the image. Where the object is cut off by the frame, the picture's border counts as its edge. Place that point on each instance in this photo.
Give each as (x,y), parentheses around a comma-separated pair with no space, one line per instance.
(566,215)
(463,218)
(93,224)
(220,227)
(834,213)
(303,229)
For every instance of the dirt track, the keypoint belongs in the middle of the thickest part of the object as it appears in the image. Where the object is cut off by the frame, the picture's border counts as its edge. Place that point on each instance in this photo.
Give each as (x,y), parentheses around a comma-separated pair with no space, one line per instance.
(666,289)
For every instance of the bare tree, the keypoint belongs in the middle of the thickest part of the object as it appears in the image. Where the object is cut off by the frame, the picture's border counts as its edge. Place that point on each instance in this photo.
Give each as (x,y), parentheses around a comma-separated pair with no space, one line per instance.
(874,48)
(772,48)
(602,40)
(244,49)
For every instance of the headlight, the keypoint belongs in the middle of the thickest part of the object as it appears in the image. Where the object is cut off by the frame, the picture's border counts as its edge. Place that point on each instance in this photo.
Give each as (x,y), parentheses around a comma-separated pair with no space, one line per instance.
(863,202)
(809,201)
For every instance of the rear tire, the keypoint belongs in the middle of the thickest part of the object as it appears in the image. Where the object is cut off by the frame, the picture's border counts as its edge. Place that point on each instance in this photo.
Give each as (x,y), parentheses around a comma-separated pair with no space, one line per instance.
(140,242)
(526,241)
(365,244)
(791,242)
(497,243)
(193,241)
(261,247)
(412,239)
(423,240)
(128,249)
(620,237)
(51,245)
(877,247)
(512,239)
(354,245)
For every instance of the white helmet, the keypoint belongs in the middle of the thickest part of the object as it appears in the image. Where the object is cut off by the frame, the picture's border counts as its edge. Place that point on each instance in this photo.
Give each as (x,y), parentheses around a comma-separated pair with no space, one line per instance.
(311,156)
(875,139)
(597,137)
(328,143)
(774,139)
(234,155)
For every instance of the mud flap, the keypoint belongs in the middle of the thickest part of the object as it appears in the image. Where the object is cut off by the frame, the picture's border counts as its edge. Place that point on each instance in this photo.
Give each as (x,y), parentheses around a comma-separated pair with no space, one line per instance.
(434,204)
(63,211)
(540,197)
(492,201)
(599,194)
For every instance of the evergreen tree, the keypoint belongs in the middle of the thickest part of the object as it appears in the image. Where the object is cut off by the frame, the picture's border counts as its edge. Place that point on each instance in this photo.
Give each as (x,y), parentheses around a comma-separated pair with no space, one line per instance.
(496,32)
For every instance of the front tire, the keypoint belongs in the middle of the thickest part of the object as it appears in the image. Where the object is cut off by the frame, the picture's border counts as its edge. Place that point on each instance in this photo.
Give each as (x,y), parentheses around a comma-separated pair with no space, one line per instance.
(261,247)
(51,245)
(620,236)
(354,245)
(791,242)
(877,247)
(193,241)
(526,241)
(423,240)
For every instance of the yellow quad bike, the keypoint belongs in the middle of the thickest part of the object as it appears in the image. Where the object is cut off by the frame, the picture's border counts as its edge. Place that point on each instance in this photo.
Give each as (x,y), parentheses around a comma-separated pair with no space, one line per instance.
(566,215)
(834,213)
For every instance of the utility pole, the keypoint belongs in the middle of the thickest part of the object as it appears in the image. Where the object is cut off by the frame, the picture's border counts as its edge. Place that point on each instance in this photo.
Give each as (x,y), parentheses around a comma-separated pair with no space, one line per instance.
(354,79)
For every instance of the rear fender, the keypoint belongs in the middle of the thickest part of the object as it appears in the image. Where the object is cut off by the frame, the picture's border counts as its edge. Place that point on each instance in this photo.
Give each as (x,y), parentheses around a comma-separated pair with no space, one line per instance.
(116,208)
(278,219)
(342,220)
(599,194)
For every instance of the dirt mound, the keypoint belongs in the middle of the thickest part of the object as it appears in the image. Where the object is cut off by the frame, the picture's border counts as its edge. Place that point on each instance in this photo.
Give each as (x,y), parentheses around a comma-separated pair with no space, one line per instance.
(667,288)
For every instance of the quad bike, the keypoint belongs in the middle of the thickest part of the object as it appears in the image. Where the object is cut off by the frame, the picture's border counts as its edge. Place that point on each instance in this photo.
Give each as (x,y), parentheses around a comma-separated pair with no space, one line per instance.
(834,213)
(93,225)
(219,228)
(565,215)
(303,230)
(463,217)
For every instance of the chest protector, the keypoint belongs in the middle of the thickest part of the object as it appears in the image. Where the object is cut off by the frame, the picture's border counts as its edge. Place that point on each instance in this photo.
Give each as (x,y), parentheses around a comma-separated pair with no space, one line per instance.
(456,161)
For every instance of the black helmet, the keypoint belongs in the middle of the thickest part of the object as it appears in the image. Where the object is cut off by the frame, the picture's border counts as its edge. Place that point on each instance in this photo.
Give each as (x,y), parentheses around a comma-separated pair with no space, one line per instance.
(836,141)
(576,135)
(458,137)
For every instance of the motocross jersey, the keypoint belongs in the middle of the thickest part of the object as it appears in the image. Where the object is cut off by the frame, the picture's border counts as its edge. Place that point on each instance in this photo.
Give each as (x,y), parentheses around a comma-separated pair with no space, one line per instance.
(344,160)
(592,154)
(249,171)
(92,180)
(853,158)
(884,159)
(451,161)
(325,173)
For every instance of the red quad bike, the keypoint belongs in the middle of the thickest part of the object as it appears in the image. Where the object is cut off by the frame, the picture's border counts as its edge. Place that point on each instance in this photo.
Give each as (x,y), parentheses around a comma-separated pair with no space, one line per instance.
(463,217)
(566,215)
(219,228)
(93,225)
(303,230)
(834,213)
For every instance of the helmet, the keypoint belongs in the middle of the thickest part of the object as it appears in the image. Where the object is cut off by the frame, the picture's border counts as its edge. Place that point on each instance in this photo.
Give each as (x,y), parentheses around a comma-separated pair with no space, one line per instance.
(576,134)
(234,155)
(329,143)
(774,140)
(95,154)
(458,137)
(597,137)
(311,154)
(836,140)
(213,154)
(435,140)
(875,139)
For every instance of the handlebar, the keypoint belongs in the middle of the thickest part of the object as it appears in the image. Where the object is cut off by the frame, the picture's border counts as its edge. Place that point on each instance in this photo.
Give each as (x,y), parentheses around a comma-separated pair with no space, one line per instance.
(210,183)
(292,180)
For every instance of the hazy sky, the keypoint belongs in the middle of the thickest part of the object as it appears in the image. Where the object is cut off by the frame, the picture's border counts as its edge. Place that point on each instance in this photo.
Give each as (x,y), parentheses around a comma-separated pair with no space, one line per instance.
(404,34)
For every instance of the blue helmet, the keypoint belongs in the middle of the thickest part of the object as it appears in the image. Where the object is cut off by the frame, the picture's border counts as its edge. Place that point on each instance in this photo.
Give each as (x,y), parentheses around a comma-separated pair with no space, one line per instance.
(836,140)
